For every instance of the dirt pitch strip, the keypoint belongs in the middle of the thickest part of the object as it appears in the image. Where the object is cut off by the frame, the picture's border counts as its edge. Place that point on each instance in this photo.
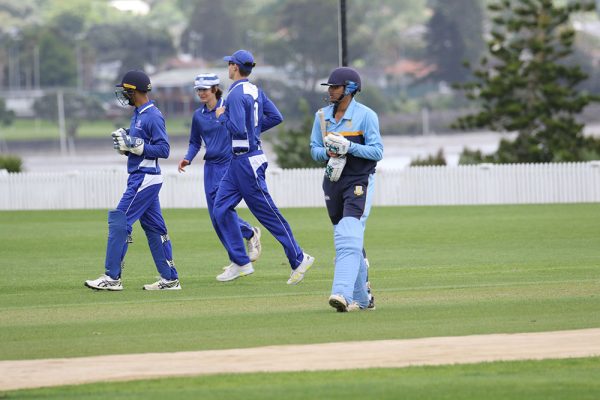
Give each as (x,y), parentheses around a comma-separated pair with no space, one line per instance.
(314,357)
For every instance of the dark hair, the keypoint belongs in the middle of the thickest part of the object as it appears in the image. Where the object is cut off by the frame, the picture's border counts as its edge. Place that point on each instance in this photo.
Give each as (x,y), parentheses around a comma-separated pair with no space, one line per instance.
(245,72)
(217,91)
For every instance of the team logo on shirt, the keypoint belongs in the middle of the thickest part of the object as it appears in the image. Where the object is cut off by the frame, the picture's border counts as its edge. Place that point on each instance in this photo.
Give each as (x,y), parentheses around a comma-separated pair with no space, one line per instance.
(138,124)
(358,190)
(349,124)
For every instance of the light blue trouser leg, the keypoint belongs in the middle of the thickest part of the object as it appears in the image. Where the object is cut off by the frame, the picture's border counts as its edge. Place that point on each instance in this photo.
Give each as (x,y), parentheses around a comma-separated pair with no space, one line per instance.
(349,261)
(361,292)
(117,240)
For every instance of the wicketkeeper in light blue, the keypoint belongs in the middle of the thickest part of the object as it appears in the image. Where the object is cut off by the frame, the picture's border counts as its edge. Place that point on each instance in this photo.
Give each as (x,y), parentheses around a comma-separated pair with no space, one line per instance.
(346,136)
(143,143)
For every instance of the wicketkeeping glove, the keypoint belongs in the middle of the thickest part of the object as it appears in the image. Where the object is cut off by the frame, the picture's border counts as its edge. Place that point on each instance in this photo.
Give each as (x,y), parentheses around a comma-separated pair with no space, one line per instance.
(122,142)
(334,168)
(336,144)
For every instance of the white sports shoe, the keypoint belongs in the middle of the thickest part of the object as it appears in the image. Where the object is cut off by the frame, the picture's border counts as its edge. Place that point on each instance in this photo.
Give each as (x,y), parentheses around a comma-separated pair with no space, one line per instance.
(253,245)
(234,271)
(105,282)
(163,284)
(338,302)
(298,274)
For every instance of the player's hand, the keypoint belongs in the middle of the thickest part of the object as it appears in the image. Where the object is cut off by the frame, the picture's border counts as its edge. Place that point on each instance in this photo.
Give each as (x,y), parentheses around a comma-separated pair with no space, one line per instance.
(182,164)
(123,142)
(336,144)
(219,111)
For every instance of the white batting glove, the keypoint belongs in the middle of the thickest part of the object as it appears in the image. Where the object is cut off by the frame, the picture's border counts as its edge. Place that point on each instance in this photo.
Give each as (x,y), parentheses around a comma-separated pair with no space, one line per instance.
(122,142)
(115,144)
(334,168)
(336,144)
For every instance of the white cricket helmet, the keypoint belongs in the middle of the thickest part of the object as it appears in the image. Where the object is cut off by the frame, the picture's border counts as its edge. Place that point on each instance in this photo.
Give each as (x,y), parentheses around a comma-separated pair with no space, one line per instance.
(206,81)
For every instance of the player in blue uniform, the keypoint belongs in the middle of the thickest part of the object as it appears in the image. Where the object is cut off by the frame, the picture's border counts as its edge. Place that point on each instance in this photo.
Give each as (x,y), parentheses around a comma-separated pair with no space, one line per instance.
(144,143)
(248,112)
(206,129)
(346,136)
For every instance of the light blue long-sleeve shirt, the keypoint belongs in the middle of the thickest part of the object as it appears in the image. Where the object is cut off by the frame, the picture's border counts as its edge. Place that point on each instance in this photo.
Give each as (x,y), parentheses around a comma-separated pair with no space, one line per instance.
(360,126)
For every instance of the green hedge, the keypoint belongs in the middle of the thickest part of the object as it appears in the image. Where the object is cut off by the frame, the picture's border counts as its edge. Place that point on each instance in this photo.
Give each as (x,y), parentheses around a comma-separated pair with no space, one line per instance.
(11,163)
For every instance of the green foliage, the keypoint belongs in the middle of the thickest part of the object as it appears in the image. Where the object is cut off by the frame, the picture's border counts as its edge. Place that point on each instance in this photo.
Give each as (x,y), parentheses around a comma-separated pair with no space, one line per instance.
(11,163)
(134,47)
(204,36)
(292,146)
(304,37)
(437,159)
(374,98)
(471,157)
(77,108)
(527,87)
(451,41)
(57,61)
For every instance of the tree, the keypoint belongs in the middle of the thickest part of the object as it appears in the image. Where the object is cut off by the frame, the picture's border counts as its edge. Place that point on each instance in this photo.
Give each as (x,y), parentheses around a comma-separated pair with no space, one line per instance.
(212,30)
(525,85)
(77,108)
(454,36)
(132,46)
(292,147)
(304,40)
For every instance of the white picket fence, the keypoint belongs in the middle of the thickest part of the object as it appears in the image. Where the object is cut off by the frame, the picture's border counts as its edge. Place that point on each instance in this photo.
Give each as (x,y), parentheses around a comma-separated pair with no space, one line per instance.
(481,184)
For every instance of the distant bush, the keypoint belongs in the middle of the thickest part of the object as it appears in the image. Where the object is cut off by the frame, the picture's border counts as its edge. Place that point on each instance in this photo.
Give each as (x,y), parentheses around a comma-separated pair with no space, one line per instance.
(11,163)
(472,157)
(437,159)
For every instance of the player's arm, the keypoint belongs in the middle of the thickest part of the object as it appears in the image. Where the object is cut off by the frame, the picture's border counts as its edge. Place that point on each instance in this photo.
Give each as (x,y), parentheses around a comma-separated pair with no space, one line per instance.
(317,149)
(195,140)
(158,147)
(194,145)
(271,115)
(373,147)
(234,119)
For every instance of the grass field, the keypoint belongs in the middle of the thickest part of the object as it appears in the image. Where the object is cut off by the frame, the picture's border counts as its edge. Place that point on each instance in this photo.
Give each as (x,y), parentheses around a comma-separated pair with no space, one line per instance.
(436,271)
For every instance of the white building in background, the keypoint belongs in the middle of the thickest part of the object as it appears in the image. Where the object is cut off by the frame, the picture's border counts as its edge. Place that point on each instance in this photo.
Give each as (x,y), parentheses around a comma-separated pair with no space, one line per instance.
(137,7)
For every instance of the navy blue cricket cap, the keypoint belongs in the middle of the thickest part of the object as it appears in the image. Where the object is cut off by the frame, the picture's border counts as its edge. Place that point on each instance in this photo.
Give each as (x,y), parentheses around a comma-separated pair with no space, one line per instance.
(136,80)
(243,58)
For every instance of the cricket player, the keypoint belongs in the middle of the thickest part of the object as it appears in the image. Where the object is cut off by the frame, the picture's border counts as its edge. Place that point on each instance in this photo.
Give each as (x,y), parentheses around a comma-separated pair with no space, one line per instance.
(143,143)
(206,129)
(248,112)
(346,135)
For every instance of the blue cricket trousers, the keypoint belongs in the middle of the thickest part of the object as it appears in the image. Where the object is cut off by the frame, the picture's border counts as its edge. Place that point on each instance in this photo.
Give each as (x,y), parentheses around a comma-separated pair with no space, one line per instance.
(213,174)
(245,179)
(140,201)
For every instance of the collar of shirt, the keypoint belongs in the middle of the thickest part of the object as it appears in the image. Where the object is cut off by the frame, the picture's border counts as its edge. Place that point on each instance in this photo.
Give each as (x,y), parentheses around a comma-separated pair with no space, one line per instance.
(347,115)
(144,107)
(205,109)
(234,84)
